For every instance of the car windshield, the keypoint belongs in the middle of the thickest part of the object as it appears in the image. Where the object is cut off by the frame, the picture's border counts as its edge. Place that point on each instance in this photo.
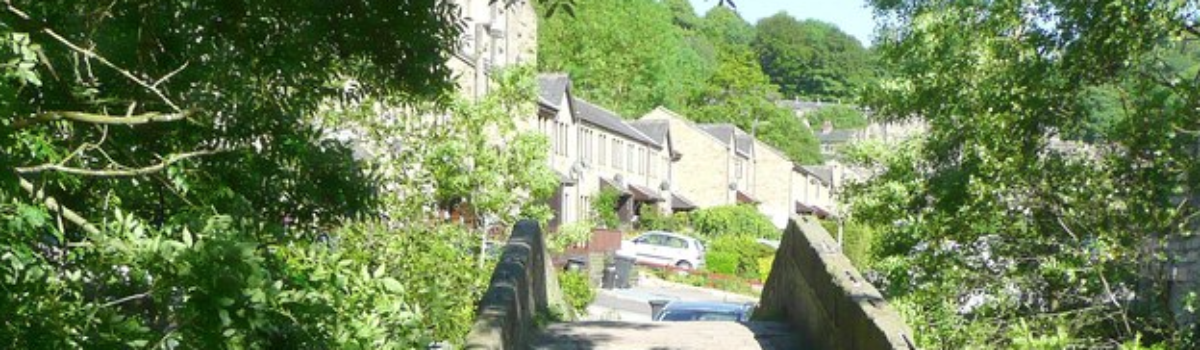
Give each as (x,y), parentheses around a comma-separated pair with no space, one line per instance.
(699,315)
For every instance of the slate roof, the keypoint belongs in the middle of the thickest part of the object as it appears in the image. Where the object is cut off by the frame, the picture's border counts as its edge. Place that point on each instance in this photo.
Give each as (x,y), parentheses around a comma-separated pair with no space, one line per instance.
(744,144)
(605,119)
(837,136)
(654,129)
(552,87)
(823,173)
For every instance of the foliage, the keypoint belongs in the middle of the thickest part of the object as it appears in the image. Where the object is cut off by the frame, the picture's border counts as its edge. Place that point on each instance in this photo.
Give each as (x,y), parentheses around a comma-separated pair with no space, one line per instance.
(764,267)
(577,290)
(642,54)
(651,218)
(744,249)
(1045,234)
(219,286)
(839,116)
(857,240)
(733,220)
(811,58)
(236,175)
(571,235)
(632,58)
(605,207)
(721,262)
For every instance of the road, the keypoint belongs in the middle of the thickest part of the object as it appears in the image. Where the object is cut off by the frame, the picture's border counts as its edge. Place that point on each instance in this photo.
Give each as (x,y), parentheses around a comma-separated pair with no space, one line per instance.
(620,319)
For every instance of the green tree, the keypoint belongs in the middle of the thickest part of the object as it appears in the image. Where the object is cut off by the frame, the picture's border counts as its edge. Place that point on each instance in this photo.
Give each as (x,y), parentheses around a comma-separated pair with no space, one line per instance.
(839,116)
(811,58)
(627,56)
(1049,236)
(741,94)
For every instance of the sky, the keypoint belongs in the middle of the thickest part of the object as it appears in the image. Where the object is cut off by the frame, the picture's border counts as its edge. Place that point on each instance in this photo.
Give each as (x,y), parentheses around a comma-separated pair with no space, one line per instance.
(852,16)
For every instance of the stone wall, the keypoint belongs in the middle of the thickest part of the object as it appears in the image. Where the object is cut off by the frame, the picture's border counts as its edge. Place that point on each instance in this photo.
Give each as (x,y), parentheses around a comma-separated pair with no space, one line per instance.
(814,288)
(1183,273)
(523,286)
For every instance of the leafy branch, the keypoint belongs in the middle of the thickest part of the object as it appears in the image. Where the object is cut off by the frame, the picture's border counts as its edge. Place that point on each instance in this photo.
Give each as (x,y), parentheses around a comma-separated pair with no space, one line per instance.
(83,117)
(152,87)
(59,167)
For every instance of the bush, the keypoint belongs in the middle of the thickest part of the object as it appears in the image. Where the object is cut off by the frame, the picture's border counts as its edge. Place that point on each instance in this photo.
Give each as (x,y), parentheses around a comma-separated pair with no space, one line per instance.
(745,250)
(605,208)
(721,262)
(652,219)
(764,267)
(842,117)
(571,235)
(857,242)
(577,291)
(733,220)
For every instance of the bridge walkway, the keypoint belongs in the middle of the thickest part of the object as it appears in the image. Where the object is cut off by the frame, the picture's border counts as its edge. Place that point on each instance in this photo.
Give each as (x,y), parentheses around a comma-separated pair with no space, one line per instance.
(631,335)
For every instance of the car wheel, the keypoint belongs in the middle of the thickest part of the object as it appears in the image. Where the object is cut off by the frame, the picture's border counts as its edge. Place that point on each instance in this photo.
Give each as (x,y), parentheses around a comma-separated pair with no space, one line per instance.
(684,265)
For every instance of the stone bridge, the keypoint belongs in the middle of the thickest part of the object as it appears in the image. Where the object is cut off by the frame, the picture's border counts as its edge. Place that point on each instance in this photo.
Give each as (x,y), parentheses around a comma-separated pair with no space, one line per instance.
(813,299)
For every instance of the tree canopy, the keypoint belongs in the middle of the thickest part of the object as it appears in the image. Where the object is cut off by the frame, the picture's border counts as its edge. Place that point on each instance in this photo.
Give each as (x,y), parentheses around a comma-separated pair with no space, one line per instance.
(812,59)
(635,56)
(1050,236)
(173,174)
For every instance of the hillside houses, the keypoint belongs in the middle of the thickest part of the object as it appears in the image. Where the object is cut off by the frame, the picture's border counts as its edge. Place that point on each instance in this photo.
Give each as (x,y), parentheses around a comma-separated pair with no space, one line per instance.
(665,162)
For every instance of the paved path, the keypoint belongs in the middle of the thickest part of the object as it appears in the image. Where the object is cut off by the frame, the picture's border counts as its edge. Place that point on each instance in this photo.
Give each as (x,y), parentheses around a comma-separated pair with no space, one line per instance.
(620,320)
(628,335)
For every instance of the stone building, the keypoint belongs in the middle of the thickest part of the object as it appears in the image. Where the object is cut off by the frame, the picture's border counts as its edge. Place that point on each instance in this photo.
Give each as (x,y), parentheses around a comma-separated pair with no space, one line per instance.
(496,34)
(772,183)
(704,176)
(617,155)
(558,122)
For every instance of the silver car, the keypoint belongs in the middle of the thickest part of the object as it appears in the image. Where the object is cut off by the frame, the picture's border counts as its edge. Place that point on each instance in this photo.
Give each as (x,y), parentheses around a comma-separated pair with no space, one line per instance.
(665,249)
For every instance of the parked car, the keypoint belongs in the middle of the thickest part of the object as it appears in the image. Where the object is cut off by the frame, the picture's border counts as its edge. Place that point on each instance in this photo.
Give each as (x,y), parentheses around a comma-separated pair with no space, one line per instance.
(665,249)
(687,311)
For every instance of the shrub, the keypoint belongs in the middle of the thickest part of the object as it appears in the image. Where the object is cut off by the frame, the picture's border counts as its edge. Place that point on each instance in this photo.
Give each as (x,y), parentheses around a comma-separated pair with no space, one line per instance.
(733,220)
(652,219)
(857,241)
(721,262)
(842,117)
(571,235)
(577,291)
(764,267)
(605,208)
(744,249)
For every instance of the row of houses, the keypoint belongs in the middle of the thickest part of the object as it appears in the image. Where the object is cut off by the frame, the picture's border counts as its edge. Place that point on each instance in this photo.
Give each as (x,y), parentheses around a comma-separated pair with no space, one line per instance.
(666,162)
(660,160)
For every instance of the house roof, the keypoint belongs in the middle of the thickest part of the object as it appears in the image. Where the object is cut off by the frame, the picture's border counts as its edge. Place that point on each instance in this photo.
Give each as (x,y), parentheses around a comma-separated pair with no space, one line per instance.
(552,87)
(837,136)
(823,173)
(743,143)
(605,119)
(678,202)
(644,194)
(657,130)
(654,129)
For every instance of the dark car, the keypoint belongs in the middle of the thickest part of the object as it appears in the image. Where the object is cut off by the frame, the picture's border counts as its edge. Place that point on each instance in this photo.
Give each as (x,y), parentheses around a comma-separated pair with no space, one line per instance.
(686,311)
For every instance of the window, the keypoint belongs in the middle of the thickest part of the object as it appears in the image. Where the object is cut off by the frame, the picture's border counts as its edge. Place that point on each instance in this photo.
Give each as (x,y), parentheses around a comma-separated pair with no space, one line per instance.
(737,171)
(603,143)
(585,146)
(629,157)
(652,160)
(616,153)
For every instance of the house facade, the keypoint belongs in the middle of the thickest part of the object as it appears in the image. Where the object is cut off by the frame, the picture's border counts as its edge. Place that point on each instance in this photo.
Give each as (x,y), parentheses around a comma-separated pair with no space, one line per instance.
(813,190)
(557,121)
(773,183)
(495,34)
(703,175)
(616,155)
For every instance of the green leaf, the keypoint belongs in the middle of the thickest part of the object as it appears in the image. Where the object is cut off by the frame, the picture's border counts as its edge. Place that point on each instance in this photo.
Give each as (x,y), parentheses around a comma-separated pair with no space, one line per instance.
(392,285)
